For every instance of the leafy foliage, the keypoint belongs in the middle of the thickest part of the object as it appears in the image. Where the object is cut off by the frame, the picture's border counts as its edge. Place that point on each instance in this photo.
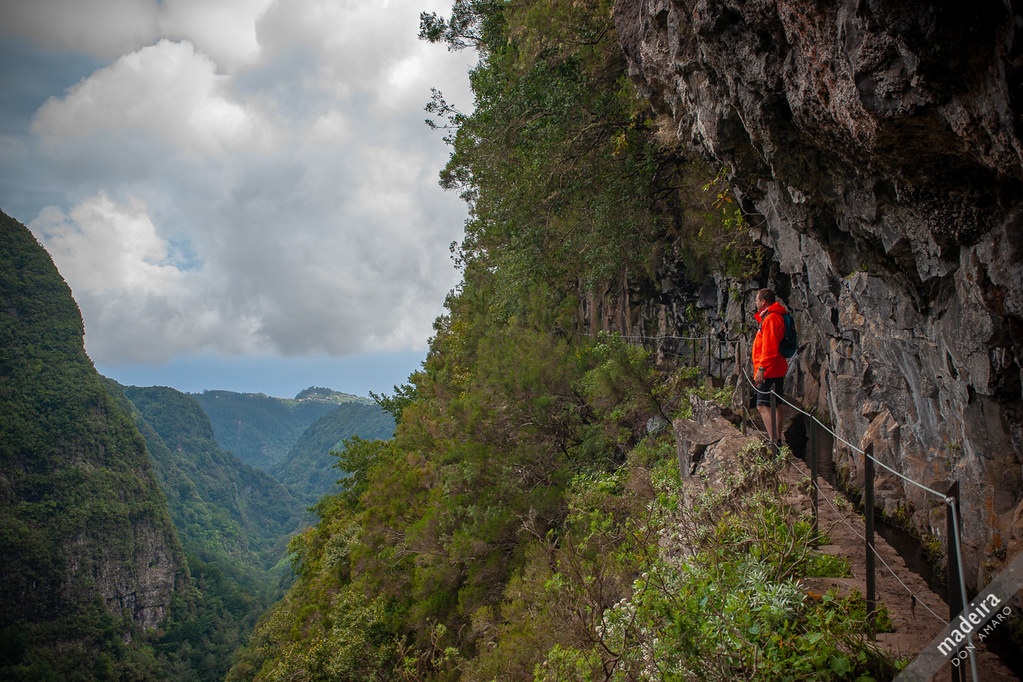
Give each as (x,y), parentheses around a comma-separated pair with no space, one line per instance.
(569,185)
(730,605)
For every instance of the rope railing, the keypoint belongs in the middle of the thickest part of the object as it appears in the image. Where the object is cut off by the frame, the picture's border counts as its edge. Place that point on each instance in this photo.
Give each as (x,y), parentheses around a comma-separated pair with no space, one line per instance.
(663,337)
(943,496)
(891,570)
(827,499)
(707,340)
(713,337)
(954,543)
(641,337)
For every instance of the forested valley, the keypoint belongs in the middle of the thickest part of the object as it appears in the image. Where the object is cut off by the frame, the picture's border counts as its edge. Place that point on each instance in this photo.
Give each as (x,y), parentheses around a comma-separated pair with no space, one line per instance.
(135,542)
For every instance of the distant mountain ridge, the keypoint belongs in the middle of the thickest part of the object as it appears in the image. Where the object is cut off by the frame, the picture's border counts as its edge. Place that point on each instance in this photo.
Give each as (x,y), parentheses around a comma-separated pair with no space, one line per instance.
(292,438)
(260,430)
(331,396)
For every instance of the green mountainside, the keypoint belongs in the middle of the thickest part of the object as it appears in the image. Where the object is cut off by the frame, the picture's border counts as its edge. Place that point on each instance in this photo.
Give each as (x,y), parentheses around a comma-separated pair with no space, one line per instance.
(97,484)
(310,470)
(261,430)
(223,508)
(88,554)
(233,520)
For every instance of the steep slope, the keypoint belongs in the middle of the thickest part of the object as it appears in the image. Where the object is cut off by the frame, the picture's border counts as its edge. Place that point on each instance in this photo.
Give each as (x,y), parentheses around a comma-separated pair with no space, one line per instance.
(309,468)
(260,430)
(876,148)
(222,507)
(88,553)
(233,520)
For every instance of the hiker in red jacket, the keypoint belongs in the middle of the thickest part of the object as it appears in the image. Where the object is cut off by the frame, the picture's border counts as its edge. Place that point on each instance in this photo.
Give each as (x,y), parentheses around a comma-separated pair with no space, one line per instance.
(769,366)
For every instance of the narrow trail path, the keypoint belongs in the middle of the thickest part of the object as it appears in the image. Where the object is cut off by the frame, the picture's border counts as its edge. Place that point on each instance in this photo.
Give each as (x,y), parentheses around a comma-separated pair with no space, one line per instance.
(914,626)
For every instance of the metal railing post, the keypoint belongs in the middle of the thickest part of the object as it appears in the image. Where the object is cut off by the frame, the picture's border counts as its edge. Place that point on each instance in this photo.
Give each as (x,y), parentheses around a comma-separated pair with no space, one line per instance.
(709,374)
(955,601)
(813,475)
(868,515)
(955,597)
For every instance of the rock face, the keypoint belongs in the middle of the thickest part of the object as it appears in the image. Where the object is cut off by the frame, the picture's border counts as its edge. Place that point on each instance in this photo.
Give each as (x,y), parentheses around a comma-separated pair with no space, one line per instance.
(876,146)
(135,572)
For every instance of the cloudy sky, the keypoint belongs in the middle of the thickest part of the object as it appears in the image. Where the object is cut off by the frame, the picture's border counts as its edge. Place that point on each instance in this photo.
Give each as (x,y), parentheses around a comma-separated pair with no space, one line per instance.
(241,194)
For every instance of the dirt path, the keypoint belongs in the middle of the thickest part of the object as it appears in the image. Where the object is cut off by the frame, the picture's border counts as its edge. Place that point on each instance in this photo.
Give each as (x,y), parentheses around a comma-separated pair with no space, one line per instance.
(914,626)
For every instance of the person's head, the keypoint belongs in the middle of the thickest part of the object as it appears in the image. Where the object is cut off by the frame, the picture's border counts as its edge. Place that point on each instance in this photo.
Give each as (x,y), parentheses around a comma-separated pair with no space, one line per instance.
(765,297)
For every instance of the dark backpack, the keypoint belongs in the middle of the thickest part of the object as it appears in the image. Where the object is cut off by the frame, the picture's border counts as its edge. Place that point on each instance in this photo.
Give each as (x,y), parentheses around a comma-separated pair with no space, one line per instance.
(789,342)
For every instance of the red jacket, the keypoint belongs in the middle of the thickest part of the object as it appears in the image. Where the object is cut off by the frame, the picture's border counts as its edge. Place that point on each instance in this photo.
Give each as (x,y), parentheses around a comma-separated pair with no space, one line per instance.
(765,344)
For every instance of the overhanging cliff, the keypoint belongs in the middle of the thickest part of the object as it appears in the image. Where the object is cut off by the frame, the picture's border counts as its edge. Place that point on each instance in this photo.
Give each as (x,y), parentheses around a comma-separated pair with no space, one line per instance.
(876,147)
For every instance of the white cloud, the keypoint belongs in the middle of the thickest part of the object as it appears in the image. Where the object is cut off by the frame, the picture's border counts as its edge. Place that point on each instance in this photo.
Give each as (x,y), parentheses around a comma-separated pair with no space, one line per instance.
(140,305)
(332,126)
(167,91)
(223,29)
(105,248)
(106,29)
(286,203)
